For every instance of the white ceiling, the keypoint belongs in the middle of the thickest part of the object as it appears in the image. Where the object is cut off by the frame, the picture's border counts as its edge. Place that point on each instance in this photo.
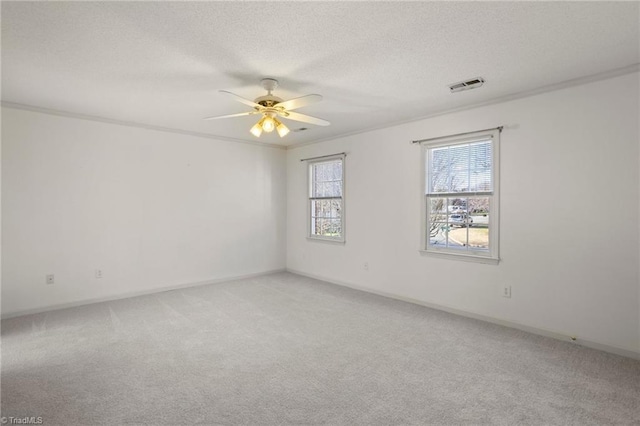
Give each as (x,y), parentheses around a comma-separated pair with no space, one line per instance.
(375,63)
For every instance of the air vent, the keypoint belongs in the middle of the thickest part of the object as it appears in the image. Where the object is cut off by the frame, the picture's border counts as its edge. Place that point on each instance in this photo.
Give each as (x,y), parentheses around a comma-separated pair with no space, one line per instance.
(466,85)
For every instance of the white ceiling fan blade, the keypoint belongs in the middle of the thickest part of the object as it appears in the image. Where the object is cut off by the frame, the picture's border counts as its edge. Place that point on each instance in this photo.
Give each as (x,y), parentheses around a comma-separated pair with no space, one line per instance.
(305,118)
(242,100)
(232,115)
(299,102)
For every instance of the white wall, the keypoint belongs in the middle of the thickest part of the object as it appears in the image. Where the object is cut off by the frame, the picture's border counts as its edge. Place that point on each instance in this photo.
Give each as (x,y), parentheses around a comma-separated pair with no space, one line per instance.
(155,209)
(569,214)
(151,209)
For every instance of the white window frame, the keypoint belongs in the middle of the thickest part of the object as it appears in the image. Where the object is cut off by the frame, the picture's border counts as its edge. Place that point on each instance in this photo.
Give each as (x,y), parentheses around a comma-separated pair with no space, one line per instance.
(310,199)
(492,256)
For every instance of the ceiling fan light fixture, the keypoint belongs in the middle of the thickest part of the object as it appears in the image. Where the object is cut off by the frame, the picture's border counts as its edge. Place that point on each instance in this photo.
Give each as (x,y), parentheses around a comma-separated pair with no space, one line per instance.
(268,124)
(281,128)
(256,130)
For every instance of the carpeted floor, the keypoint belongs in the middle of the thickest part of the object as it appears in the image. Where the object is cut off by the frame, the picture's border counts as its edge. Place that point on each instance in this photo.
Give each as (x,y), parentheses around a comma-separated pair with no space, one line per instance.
(285,349)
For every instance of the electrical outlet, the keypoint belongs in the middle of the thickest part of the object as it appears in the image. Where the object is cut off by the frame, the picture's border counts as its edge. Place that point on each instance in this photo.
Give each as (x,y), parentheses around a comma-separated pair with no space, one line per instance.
(366,266)
(49,279)
(506,291)
(98,273)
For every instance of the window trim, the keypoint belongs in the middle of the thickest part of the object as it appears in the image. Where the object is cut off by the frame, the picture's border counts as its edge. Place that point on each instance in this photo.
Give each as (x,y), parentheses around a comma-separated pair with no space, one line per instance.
(310,236)
(493,257)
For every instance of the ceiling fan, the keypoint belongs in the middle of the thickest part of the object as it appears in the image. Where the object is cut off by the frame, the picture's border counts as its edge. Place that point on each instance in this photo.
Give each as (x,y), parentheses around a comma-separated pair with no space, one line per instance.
(270,107)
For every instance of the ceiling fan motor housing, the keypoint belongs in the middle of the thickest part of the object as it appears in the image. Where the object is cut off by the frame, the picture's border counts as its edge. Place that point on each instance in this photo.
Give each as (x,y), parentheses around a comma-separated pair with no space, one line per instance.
(268,100)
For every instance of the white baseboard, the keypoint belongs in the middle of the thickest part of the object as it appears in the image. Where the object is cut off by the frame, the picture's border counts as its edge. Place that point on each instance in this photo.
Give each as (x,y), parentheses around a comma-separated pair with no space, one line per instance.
(134,294)
(629,353)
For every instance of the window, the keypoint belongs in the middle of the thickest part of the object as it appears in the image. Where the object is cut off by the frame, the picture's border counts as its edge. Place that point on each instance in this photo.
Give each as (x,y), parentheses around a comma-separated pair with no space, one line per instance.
(326,199)
(460,196)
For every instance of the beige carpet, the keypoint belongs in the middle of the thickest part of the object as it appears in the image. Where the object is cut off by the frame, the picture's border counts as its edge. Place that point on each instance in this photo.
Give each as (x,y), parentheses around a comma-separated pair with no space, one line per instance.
(284,349)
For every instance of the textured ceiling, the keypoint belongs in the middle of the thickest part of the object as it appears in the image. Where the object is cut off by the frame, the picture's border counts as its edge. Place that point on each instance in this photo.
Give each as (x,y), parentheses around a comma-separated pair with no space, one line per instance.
(375,63)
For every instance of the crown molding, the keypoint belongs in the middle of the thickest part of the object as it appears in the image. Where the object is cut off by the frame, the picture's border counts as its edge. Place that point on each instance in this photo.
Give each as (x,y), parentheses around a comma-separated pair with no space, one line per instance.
(519,95)
(32,108)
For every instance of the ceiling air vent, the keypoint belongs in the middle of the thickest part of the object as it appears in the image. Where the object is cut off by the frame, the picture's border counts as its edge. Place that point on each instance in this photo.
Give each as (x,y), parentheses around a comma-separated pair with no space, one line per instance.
(466,85)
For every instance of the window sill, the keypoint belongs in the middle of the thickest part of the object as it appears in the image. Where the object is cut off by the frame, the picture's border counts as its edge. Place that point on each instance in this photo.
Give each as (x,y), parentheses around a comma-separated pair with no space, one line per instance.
(462,257)
(326,240)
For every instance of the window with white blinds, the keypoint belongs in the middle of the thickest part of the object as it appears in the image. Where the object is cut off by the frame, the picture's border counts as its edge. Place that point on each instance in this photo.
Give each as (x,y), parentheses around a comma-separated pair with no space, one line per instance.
(326,199)
(460,204)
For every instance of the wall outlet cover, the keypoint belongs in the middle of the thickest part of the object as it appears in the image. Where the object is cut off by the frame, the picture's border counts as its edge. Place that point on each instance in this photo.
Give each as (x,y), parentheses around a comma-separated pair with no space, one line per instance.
(506,291)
